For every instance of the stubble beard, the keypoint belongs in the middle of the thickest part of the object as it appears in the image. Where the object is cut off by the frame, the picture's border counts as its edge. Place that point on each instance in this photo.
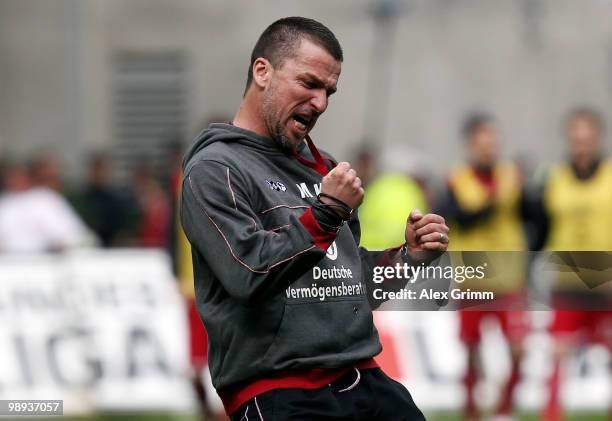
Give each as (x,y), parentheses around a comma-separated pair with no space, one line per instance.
(273,121)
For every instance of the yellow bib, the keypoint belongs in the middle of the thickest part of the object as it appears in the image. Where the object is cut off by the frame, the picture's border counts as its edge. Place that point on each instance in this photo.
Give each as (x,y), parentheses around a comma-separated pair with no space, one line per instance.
(502,230)
(580,211)
(385,209)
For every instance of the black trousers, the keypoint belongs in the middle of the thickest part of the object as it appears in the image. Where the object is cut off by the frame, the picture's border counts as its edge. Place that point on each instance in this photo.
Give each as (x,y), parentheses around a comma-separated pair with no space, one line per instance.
(367,395)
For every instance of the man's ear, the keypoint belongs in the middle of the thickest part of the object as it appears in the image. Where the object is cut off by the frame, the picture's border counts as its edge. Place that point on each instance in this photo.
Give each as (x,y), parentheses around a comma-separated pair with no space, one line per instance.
(262,72)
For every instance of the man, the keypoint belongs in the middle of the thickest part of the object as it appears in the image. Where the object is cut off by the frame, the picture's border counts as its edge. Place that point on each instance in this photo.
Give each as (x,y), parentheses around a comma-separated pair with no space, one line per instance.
(290,326)
(484,205)
(575,214)
(35,219)
(484,195)
(46,170)
(104,209)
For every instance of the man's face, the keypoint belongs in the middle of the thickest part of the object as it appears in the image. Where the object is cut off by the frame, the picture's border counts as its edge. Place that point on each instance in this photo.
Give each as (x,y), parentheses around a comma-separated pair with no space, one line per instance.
(17,178)
(583,135)
(482,145)
(99,172)
(298,92)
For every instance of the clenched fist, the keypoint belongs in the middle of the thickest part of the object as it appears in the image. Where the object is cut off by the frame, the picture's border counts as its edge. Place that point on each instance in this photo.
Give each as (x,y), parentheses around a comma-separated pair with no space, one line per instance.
(343,184)
(426,236)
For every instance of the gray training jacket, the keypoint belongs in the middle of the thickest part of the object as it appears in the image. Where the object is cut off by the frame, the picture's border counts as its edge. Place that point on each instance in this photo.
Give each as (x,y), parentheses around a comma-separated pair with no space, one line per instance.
(271,300)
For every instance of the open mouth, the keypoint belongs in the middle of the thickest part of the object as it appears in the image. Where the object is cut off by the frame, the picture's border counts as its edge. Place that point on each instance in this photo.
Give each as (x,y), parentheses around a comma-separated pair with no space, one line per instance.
(302,122)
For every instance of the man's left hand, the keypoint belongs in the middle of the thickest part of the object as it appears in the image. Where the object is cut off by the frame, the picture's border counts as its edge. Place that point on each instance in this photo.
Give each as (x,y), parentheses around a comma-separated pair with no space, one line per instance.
(426,233)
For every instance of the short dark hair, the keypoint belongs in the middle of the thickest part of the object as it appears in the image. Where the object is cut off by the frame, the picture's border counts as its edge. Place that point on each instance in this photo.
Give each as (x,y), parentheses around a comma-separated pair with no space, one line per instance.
(473,122)
(587,113)
(279,41)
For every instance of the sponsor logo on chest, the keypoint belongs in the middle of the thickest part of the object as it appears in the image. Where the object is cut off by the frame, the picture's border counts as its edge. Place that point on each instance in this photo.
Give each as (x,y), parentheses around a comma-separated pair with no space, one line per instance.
(276,185)
(305,191)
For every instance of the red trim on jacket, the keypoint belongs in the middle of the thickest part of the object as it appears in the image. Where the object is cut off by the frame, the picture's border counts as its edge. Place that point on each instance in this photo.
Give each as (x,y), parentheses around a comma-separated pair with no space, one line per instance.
(386,258)
(307,379)
(322,238)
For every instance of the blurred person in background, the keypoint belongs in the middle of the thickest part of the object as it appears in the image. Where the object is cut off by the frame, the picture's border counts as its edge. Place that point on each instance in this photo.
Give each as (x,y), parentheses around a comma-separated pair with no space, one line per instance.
(171,182)
(35,219)
(364,163)
(154,208)
(3,165)
(484,197)
(46,171)
(401,183)
(484,206)
(574,213)
(110,214)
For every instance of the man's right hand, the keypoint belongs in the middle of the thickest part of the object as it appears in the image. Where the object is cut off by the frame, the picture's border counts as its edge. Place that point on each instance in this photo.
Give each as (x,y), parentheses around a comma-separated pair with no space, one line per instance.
(343,184)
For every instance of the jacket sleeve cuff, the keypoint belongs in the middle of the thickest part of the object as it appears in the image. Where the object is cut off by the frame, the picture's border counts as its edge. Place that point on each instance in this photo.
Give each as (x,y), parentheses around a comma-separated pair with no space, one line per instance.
(322,238)
(390,255)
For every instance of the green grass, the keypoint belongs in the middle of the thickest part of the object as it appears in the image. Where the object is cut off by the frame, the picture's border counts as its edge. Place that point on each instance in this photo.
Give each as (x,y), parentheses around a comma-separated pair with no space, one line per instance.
(575,416)
(128,417)
(431,416)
